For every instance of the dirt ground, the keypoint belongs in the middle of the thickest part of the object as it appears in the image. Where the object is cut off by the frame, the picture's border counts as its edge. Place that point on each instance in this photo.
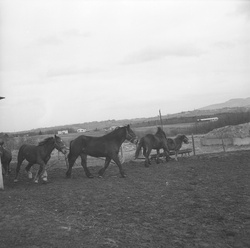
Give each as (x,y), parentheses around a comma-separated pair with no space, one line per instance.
(201,201)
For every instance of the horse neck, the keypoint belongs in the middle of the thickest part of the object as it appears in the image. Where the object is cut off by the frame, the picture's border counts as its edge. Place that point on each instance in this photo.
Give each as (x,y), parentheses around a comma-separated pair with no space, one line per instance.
(48,148)
(120,136)
(178,142)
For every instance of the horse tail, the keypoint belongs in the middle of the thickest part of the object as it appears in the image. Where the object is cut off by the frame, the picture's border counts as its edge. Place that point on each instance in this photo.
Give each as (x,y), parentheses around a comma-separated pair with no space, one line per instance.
(70,148)
(138,148)
(20,156)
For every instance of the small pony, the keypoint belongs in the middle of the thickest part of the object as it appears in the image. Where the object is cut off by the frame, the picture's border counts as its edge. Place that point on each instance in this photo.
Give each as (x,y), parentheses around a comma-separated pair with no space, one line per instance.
(155,141)
(175,144)
(39,154)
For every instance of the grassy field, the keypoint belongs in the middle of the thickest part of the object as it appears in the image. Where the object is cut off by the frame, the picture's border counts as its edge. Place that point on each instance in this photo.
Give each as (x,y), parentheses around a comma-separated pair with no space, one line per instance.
(200,201)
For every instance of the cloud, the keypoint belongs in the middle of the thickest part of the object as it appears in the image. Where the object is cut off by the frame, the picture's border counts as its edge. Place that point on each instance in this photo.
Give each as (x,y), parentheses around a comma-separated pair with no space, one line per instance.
(49,40)
(75,33)
(244,9)
(154,53)
(53,40)
(223,44)
(64,71)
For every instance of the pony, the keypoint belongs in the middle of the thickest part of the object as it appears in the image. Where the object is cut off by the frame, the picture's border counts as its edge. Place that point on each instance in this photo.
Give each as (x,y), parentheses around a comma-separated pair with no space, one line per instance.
(107,146)
(175,144)
(155,141)
(39,154)
(6,158)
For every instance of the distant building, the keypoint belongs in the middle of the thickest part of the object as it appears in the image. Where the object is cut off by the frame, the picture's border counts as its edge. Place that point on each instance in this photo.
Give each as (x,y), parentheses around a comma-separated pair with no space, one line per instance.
(112,128)
(208,119)
(63,132)
(81,130)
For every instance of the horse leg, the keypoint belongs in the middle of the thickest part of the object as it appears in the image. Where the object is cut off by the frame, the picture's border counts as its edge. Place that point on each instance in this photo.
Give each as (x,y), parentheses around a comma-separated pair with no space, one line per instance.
(41,173)
(176,153)
(19,162)
(157,156)
(147,160)
(117,161)
(102,170)
(5,167)
(71,161)
(84,165)
(27,168)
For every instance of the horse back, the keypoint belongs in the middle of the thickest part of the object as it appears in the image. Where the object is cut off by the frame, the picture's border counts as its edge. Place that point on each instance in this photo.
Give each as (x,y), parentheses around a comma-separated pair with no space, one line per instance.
(28,152)
(93,146)
(154,141)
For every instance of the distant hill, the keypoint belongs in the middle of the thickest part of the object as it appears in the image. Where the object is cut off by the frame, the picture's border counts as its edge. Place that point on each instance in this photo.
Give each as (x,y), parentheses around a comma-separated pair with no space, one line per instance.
(233,103)
(231,106)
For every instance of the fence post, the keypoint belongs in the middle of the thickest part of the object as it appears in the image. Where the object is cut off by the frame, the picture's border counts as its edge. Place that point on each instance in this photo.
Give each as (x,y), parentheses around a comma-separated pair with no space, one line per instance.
(223,145)
(1,175)
(193,144)
(160,119)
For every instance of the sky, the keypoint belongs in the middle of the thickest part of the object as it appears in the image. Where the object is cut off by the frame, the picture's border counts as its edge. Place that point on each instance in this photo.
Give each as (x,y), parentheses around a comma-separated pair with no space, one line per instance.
(75,61)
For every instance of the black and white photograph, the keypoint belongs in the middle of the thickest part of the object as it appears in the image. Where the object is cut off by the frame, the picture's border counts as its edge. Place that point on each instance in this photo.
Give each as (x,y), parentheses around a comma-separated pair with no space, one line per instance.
(125,123)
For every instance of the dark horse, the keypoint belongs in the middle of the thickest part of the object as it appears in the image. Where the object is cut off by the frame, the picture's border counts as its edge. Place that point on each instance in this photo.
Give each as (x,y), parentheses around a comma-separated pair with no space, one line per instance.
(176,143)
(6,158)
(104,146)
(155,141)
(40,155)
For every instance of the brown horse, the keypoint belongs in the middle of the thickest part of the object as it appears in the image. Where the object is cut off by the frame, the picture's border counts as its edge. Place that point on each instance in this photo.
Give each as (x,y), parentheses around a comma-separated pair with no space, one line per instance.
(175,144)
(6,158)
(39,154)
(155,141)
(107,146)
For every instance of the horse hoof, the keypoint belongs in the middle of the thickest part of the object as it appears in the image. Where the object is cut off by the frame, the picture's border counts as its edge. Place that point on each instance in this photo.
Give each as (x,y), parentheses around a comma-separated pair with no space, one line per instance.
(90,176)
(99,176)
(30,174)
(15,180)
(36,181)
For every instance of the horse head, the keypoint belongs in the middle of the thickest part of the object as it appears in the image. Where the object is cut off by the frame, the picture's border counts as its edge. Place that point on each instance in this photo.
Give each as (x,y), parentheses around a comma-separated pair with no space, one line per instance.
(59,145)
(130,135)
(184,138)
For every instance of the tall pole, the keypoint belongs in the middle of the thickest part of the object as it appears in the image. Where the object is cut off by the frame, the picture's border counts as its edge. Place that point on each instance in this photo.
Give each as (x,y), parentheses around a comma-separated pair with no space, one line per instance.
(1,174)
(1,170)
(160,119)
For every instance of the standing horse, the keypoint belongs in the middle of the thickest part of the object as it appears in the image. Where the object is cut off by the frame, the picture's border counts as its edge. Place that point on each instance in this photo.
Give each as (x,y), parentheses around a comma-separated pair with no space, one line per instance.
(104,146)
(40,155)
(155,141)
(175,144)
(6,158)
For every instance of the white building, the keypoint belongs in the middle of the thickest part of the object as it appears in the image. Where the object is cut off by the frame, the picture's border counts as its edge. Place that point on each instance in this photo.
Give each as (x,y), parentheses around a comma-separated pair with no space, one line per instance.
(63,132)
(208,119)
(81,130)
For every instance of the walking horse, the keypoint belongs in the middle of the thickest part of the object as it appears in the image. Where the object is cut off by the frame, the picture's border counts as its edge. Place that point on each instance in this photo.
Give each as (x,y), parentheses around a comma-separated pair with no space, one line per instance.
(175,144)
(155,141)
(39,154)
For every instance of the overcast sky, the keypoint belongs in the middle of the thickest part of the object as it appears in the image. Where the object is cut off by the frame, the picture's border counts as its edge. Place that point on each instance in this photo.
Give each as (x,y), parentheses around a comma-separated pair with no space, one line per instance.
(68,61)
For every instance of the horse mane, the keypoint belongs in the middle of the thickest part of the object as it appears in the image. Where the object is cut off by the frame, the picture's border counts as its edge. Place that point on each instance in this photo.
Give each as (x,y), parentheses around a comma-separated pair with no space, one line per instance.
(45,141)
(114,131)
(180,136)
(160,131)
